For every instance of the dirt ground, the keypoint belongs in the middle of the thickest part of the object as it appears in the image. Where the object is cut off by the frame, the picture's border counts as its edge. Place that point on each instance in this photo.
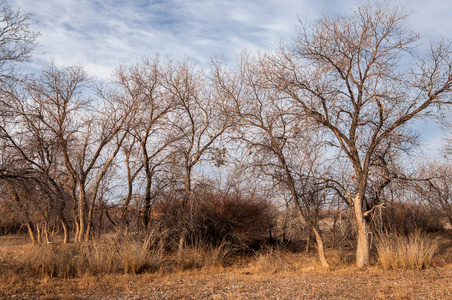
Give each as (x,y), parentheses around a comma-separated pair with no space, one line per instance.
(239,281)
(349,283)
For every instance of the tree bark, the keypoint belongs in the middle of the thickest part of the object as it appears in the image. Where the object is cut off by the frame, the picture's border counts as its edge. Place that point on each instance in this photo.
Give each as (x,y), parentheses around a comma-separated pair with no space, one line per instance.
(31,233)
(65,231)
(362,248)
(320,248)
(81,212)
(187,183)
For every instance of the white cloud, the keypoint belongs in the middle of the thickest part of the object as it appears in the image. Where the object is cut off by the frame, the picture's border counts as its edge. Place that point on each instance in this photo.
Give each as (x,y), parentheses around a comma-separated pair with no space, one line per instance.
(101,34)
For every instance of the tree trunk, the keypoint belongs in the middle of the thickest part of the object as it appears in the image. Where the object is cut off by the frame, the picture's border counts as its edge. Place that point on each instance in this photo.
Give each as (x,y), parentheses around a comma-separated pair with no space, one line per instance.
(187,183)
(318,236)
(81,212)
(38,234)
(31,233)
(77,231)
(65,231)
(147,201)
(362,248)
(320,248)
(99,228)
(89,226)
(27,217)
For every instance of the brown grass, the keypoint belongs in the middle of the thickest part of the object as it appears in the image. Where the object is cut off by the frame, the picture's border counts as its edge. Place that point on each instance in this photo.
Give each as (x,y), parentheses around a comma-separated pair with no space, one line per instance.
(413,251)
(202,255)
(203,273)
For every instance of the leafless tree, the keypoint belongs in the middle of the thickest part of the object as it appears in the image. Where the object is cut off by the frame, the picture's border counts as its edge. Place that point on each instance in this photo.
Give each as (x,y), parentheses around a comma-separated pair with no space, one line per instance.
(17,40)
(280,143)
(435,186)
(142,88)
(362,78)
(88,138)
(199,121)
(33,151)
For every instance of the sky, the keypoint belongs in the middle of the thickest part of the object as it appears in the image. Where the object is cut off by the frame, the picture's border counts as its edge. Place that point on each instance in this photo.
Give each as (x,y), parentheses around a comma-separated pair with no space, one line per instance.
(102,34)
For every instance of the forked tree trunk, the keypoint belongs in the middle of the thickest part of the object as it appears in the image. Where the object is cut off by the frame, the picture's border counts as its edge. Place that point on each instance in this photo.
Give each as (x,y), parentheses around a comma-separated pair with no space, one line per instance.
(362,248)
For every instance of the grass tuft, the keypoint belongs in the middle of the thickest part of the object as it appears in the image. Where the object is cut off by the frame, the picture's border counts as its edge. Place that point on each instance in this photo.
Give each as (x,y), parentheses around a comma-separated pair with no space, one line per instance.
(413,251)
(272,261)
(202,255)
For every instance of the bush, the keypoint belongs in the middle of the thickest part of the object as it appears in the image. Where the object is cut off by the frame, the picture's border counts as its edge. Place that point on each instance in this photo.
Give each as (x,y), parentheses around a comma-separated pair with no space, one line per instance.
(405,218)
(412,251)
(214,219)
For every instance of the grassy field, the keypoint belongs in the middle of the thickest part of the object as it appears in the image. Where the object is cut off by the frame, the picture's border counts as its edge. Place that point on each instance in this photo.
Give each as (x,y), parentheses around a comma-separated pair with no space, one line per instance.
(272,274)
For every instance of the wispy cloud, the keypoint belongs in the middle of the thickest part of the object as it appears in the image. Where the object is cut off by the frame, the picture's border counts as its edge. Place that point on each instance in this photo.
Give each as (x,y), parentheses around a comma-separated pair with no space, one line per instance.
(101,34)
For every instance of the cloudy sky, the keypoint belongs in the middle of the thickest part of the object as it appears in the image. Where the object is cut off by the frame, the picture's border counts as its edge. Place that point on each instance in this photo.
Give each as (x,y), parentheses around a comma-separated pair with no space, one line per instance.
(101,34)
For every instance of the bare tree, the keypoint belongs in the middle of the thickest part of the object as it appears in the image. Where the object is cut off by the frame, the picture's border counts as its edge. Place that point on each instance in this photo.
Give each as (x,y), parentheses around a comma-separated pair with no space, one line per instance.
(17,39)
(88,138)
(436,186)
(199,121)
(360,78)
(142,88)
(33,150)
(282,146)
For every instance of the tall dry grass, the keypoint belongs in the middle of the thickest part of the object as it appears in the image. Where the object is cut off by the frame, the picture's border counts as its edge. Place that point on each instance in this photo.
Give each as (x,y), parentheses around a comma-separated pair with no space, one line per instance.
(202,255)
(111,255)
(271,261)
(413,251)
(121,254)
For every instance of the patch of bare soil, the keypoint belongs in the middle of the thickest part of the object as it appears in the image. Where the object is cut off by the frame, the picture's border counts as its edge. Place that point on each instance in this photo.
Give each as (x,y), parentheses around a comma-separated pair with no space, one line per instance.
(232,283)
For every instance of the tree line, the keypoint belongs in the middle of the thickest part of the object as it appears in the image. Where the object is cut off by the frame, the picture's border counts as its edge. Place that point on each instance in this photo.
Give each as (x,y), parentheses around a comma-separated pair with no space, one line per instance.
(326,119)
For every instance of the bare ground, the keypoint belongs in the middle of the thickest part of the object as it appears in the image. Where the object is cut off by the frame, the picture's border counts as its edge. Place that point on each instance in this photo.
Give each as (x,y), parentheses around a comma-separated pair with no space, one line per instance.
(348,283)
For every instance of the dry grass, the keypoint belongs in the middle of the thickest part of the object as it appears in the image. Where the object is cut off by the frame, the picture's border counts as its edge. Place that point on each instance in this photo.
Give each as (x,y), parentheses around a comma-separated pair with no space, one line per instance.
(202,255)
(112,255)
(115,255)
(136,256)
(203,273)
(272,261)
(414,251)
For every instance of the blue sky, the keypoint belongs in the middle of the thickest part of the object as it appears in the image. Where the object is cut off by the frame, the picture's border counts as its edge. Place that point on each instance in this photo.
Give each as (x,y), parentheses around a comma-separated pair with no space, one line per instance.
(101,34)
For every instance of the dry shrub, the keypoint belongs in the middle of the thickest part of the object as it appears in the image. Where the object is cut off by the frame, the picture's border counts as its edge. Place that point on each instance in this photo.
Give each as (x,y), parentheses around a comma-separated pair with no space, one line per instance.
(405,218)
(73,260)
(215,218)
(412,251)
(99,257)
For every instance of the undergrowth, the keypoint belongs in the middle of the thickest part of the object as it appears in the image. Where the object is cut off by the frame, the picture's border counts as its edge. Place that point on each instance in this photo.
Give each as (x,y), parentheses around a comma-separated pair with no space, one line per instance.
(413,251)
